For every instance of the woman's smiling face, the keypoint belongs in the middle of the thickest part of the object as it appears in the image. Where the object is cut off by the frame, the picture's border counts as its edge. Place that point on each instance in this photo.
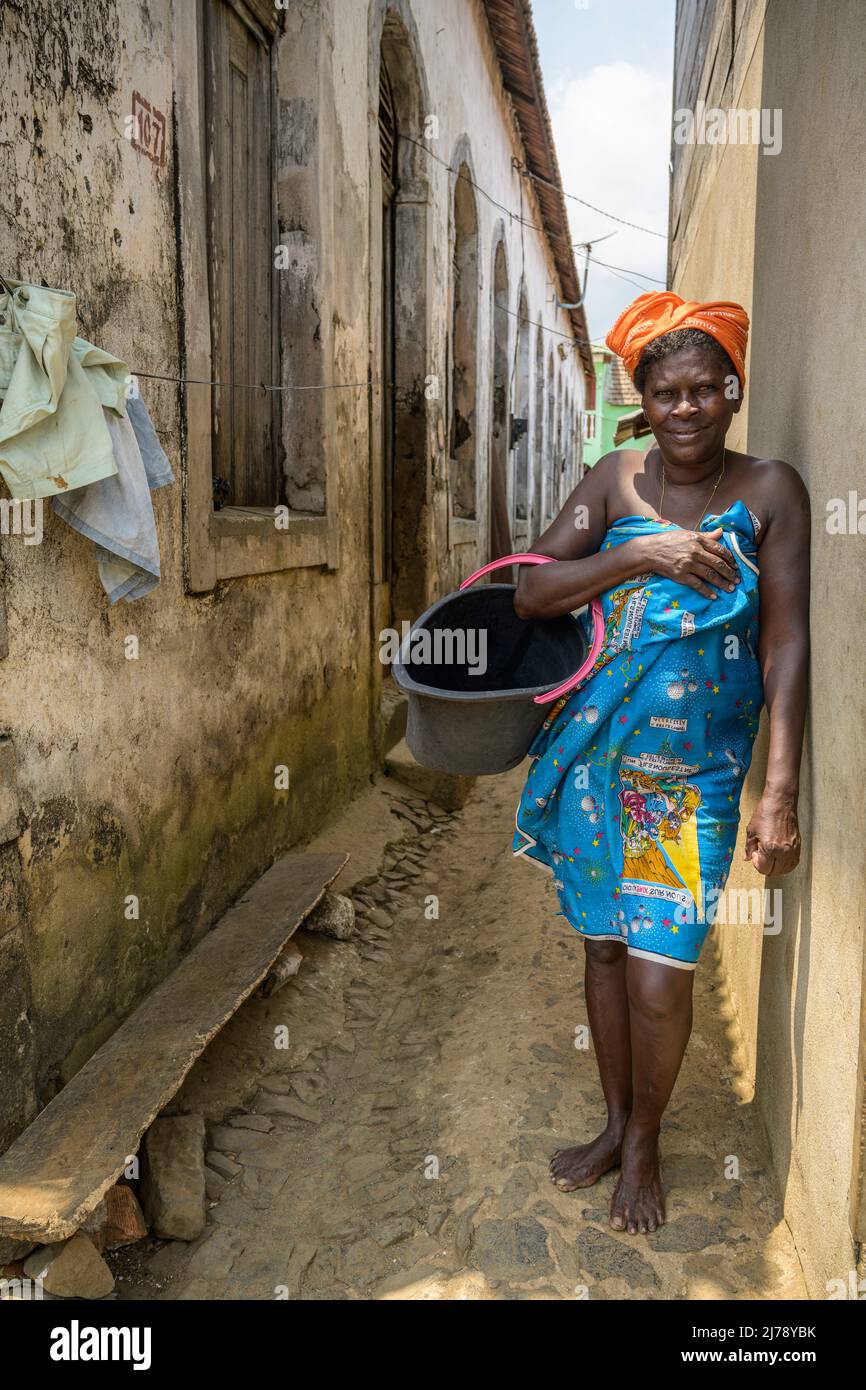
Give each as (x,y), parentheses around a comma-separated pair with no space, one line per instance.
(684,399)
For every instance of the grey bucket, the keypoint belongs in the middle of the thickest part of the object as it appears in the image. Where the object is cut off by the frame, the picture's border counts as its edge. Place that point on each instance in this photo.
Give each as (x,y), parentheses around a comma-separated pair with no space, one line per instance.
(480,724)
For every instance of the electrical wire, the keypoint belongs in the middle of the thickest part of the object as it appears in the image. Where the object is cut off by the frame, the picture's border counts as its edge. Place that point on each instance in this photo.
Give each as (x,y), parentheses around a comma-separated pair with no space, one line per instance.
(527,173)
(538,178)
(516,216)
(627,270)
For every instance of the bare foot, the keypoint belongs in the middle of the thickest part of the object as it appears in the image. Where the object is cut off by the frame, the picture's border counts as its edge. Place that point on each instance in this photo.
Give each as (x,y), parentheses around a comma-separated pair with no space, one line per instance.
(584,1164)
(637,1204)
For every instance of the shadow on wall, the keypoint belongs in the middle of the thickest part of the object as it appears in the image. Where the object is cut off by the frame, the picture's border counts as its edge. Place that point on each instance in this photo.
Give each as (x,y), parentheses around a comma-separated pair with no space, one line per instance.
(807,367)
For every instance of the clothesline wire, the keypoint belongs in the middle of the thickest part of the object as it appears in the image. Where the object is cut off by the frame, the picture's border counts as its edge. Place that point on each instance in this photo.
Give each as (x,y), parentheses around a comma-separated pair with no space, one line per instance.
(254,386)
(516,216)
(336,385)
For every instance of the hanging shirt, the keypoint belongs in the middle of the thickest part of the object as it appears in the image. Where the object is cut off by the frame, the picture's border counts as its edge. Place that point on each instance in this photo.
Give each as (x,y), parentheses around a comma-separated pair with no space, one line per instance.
(54,388)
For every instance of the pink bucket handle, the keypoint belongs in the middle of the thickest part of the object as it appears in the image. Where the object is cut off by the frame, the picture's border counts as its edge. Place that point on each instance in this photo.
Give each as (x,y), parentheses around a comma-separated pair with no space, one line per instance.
(597,621)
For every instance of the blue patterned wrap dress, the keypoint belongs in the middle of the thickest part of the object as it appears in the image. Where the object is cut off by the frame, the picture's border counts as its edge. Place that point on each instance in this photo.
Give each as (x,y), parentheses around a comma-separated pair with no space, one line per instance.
(632,797)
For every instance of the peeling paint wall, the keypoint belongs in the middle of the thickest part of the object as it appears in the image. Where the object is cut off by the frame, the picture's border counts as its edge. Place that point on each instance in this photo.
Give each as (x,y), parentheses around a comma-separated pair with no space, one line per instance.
(153,778)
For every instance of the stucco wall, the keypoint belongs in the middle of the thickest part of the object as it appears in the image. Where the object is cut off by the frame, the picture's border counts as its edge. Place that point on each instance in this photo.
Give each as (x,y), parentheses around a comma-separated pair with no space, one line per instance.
(786,237)
(155,776)
(808,353)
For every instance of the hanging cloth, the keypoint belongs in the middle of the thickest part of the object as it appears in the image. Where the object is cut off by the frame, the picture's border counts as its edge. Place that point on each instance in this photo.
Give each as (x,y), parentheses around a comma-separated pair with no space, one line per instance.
(116,513)
(54,388)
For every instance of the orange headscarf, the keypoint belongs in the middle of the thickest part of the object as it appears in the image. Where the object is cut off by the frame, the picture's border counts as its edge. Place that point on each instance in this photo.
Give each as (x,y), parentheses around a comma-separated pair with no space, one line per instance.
(653,315)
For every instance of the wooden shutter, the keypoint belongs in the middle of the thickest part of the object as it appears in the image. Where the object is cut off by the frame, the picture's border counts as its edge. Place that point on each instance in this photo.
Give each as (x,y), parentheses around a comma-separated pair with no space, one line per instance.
(241,246)
(387,134)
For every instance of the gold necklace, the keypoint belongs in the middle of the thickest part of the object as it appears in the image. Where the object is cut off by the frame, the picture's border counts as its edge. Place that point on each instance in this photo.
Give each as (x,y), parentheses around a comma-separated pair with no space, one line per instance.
(709,499)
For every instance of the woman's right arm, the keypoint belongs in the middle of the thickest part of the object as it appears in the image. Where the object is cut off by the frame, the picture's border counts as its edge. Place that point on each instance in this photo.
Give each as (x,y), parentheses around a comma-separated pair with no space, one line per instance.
(573,539)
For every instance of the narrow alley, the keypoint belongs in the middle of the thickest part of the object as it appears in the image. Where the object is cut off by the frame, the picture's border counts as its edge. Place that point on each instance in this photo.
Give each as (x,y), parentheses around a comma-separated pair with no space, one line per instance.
(389,392)
(398,1147)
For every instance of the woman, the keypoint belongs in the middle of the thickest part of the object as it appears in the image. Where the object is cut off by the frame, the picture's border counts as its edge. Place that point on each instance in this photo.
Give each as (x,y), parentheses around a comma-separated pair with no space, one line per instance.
(700,556)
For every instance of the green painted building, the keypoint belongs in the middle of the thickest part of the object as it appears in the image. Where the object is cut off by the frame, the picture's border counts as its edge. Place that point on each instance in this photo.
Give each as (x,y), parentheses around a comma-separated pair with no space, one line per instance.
(615,396)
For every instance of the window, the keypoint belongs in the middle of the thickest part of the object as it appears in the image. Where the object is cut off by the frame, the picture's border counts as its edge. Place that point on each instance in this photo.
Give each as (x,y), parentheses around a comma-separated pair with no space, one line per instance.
(221,51)
(464,327)
(520,420)
(241,240)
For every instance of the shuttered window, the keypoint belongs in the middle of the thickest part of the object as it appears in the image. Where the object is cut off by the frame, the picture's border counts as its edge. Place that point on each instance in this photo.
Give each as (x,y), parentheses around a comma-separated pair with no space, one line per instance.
(387,135)
(241,248)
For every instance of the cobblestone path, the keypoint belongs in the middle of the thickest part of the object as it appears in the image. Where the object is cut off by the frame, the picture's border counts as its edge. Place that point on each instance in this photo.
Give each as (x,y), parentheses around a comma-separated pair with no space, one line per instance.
(405,1156)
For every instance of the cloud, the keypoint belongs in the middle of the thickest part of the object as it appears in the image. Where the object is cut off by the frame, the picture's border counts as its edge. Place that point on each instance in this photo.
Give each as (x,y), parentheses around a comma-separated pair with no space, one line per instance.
(612,130)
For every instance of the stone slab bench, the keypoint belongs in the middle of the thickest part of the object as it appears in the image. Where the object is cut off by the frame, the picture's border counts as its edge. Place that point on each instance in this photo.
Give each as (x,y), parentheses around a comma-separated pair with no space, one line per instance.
(55,1173)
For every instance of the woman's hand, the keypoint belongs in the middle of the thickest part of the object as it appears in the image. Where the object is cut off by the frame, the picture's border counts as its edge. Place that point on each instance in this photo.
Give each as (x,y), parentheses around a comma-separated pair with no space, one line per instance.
(695,558)
(773,835)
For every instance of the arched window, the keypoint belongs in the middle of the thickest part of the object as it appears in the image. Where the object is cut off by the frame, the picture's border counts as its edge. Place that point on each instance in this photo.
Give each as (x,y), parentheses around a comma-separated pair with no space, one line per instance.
(550,446)
(500,520)
(558,460)
(399,417)
(520,424)
(464,333)
(538,437)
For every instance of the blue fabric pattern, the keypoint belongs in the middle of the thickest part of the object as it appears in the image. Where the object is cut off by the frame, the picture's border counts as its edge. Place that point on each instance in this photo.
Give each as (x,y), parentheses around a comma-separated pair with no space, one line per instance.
(632,798)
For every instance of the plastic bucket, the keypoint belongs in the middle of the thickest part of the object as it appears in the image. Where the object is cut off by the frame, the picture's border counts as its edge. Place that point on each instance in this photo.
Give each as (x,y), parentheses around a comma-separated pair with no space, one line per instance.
(478,677)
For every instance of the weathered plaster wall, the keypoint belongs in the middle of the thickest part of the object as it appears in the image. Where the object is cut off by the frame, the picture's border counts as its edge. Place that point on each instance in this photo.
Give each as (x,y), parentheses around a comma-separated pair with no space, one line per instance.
(474,116)
(154,777)
(810,355)
(786,236)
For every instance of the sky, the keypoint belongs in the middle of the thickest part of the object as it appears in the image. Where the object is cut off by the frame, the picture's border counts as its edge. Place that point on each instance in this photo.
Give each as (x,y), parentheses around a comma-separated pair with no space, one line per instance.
(607,67)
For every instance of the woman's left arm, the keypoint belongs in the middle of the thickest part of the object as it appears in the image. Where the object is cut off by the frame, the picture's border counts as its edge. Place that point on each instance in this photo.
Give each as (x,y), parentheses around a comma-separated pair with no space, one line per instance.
(773,834)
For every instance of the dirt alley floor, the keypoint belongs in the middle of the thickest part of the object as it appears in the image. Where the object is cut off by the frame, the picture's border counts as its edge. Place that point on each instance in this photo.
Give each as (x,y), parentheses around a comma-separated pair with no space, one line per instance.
(398,1149)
